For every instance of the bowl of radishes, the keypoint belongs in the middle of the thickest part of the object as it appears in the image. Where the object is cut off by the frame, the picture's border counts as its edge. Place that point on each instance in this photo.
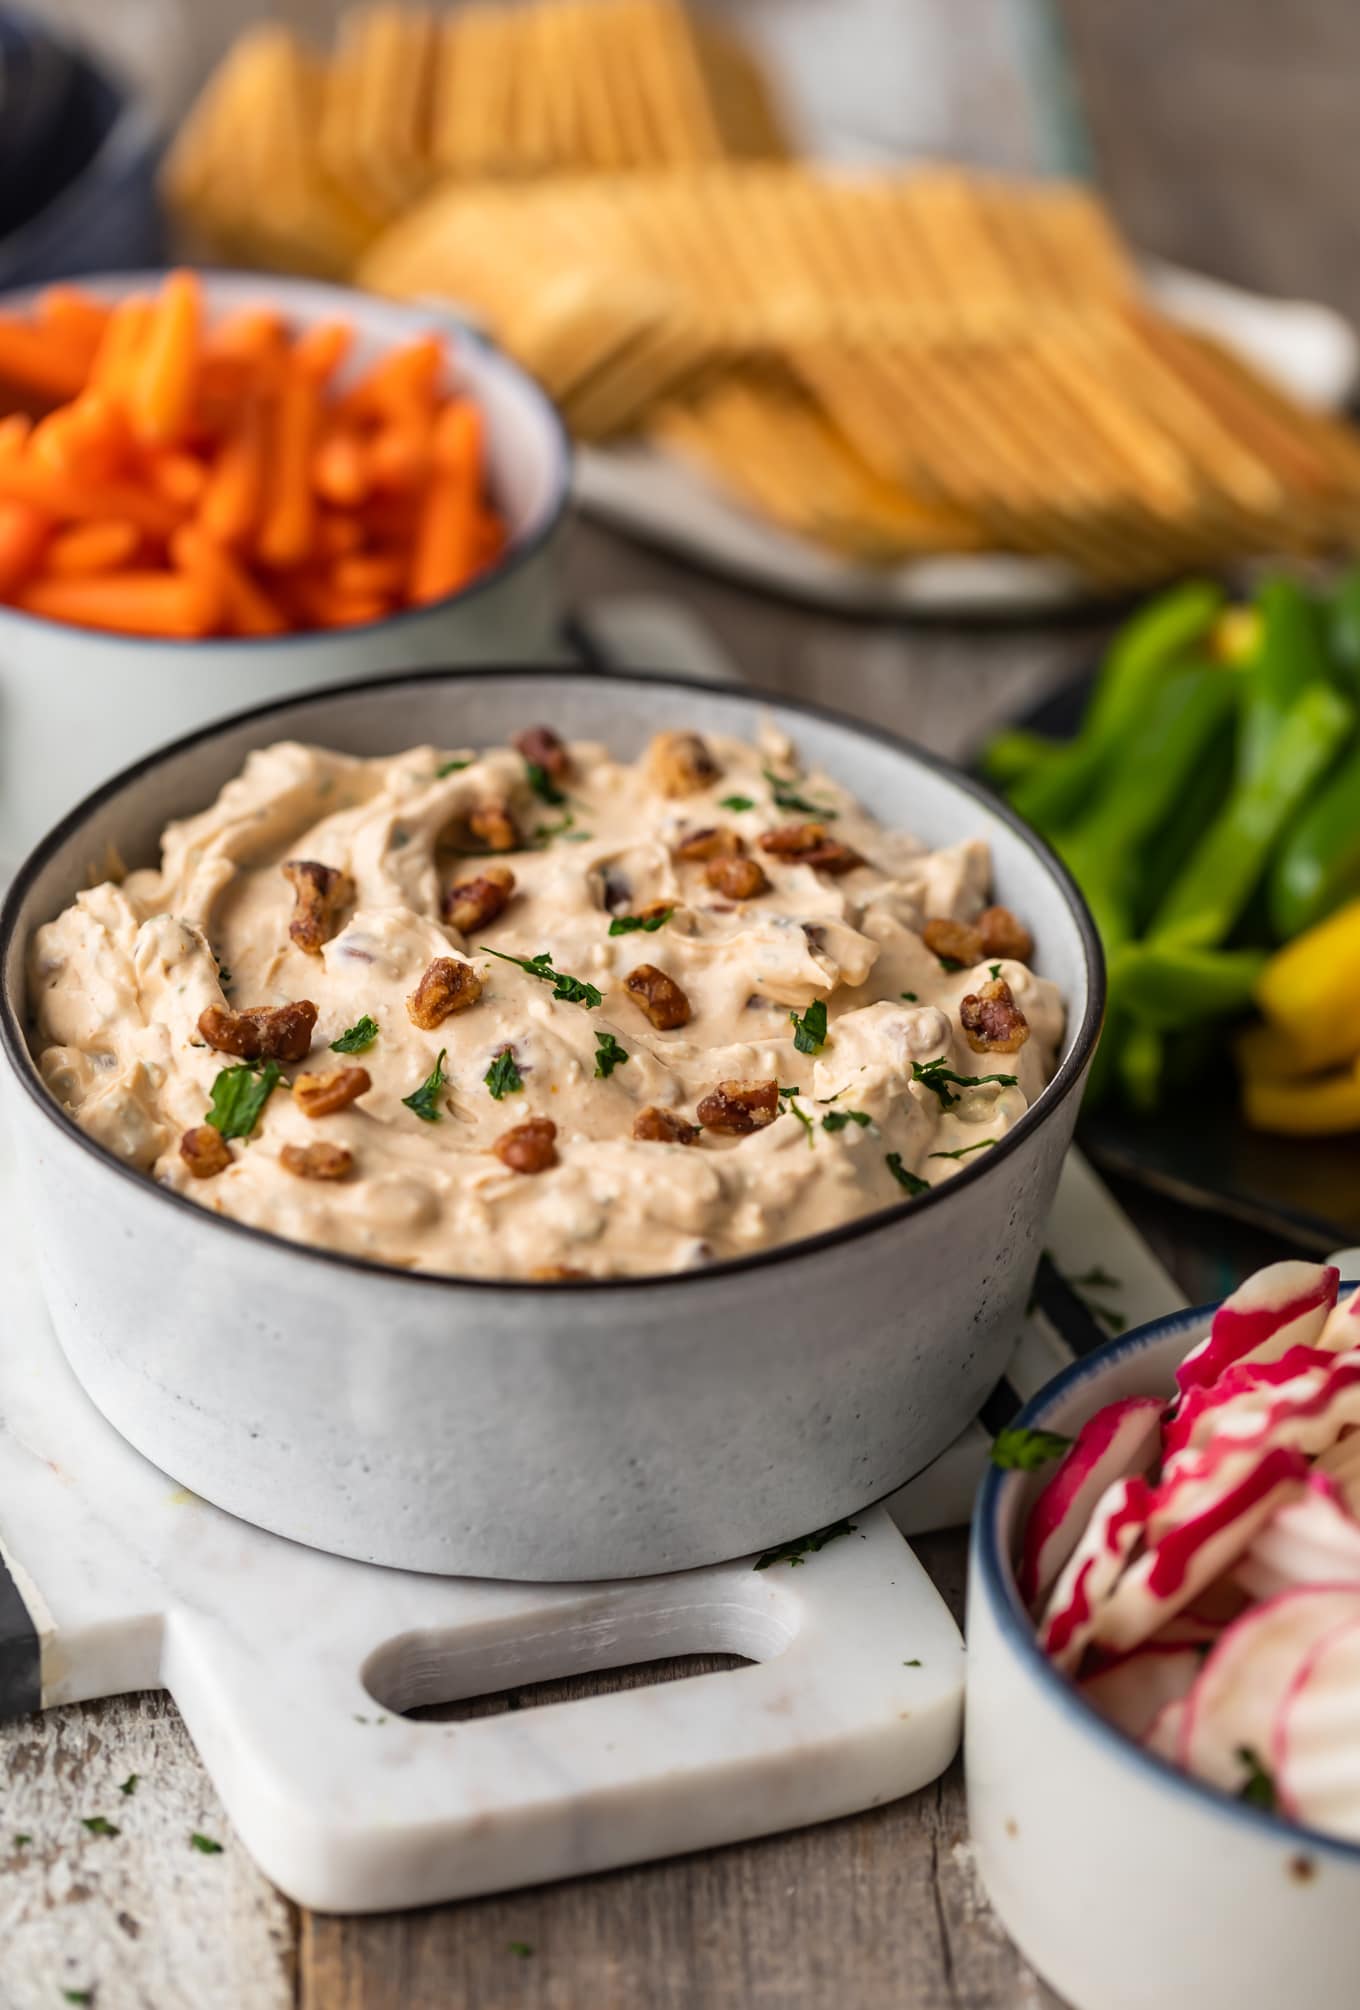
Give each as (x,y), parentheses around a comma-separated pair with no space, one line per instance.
(1163,1726)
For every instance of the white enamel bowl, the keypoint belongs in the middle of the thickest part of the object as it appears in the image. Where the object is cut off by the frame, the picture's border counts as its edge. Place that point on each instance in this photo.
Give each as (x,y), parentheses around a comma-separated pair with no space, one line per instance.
(536,1430)
(76,705)
(1127,1885)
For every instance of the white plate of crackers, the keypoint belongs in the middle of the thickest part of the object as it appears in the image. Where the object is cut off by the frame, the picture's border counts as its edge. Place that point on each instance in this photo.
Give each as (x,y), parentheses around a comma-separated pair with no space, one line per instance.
(912,389)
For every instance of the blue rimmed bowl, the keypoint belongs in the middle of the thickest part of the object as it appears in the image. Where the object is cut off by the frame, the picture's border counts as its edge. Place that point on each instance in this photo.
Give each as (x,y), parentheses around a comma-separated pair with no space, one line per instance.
(1126,1884)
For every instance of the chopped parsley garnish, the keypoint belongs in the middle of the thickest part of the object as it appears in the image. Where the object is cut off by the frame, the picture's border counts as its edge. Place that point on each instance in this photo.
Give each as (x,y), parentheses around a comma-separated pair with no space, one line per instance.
(911,1664)
(904,1178)
(736,803)
(788,1106)
(77,1996)
(809,1032)
(786,799)
(239,1095)
(129,1785)
(22,1840)
(629,924)
(950,964)
(543,785)
(503,1077)
(573,989)
(99,1826)
(1258,1789)
(1020,1450)
(425,1100)
(520,1947)
(545,833)
(935,1076)
(964,1150)
(204,1845)
(451,768)
(358,1038)
(836,1120)
(995,969)
(910,997)
(608,1055)
(796,1552)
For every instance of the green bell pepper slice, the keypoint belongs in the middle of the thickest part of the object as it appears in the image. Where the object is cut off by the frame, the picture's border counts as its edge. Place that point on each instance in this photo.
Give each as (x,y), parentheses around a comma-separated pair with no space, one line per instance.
(1317,868)
(1291,656)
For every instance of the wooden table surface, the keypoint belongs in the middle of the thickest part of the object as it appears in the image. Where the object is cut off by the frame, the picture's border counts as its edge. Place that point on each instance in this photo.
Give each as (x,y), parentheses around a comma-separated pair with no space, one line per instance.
(1223,131)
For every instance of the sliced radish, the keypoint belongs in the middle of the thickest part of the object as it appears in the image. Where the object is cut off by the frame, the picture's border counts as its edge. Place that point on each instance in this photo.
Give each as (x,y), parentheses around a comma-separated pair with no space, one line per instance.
(1285,1305)
(1307,1411)
(1315,1750)
(1234,1704)
(1197,1527)
(1090,1573)
(1315,1540)
(1246,1387)
(1340,1463)
(1164,1736)
(1342,1330)
(1122,1439)
(1131,1691)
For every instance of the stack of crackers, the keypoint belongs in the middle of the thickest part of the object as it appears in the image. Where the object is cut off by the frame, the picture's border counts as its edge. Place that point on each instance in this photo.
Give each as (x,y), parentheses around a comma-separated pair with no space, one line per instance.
(890,365)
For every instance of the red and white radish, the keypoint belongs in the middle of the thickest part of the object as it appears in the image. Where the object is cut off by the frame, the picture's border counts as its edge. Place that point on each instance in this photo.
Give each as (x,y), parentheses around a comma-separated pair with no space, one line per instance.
(1109,1539)
(1122,1439)
(1315,1540)
(1340,1464)
(1235,1403)
(1164,1734)
(1315,1750)
(1285,1305)
(1131,1691)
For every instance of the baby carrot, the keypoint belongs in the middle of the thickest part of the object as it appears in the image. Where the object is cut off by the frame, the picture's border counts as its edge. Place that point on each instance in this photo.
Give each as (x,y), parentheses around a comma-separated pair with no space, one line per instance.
(321,349)
(248,609)
(38,360)
(396,384)
(366,575)
(23,533)
(101,545)
(289,514)
(74,315)
(162,379)
(71,500)
(339,470)
(88,438)
(446,550)
(119,346)
(179,477)
(398,455)
(336,534)
(134,603)
(234,494)
(15,429)
(252,333)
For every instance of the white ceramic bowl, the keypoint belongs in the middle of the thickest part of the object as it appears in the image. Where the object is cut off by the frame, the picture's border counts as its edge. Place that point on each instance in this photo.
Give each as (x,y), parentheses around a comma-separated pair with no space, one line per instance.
(1128,1885)
(76,705)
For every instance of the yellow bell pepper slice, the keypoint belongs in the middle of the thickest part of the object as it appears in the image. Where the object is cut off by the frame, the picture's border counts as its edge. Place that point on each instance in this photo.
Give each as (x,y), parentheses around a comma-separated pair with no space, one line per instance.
(1310,989)
(1317,1109)
(1267,1054)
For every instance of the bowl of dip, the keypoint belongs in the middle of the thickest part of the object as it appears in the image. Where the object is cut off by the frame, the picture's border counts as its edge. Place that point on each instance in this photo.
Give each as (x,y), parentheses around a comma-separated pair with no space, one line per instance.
(77,703)
(702,1303)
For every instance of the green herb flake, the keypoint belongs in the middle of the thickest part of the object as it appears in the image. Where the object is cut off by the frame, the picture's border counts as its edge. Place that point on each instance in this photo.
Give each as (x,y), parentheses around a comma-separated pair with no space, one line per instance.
(630,924)
(934,1076)
(1258,1789)
(545,833)
(77,1996)
(425,1100)
(358,1038)
(950,965)
(239,1095)
(543,785)
(503,1077)
(913,1185)
(22,1840)
(736,804)
(1020,1450)
(451,768)
(98,1825)
(522,1948)
(964,1150)
(797,1552)
(608,1055)
(204,1845)
(911,1664)
(910,997)
(836,1120)
(788,1106)
(809,1032)
(129,1785)
(574,990)
(786,799)
(995,969)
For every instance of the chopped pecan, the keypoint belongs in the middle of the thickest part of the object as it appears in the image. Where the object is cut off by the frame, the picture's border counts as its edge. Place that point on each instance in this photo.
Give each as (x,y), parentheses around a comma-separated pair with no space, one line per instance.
(992,1021)
(737,878)
(541,747)
(471,903)
(713,841)
(204,1150)
(650,909)
(959,941)
(323,1095)
(320,892)
(492,825)
(528,1147)
(681,764)
(556,1273)
(446,987)
(810,844)
(264,1033)
(1003,934)
(739,1107)
(659,996)
(654,1126)
(318,1161)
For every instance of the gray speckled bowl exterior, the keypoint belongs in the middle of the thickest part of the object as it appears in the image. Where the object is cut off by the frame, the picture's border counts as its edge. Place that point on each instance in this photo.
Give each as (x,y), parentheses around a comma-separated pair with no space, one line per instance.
(540,1431)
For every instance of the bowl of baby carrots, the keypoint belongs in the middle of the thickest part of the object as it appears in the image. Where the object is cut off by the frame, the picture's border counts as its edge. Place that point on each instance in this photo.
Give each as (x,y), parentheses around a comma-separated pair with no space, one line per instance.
(216,488)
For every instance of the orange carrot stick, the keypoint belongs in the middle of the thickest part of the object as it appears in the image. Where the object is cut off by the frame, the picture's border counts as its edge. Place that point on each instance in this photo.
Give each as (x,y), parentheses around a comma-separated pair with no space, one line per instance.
(248,608)
(337,534)
(446,550)
(254,334)
(130,603)
(162,383)
(88,438)
(340,469)
(23,533)
(289,515)
(322,348)
(398,456)
(102,545)
(38,360)
(368,576)
(117,353)
(15,429)
(234,496)
(74,315)
(404,379)
(74,501)
(180,477)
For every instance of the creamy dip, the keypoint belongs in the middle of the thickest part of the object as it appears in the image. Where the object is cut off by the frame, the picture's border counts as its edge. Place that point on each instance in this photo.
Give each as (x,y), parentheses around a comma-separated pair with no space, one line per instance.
(849,1123)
